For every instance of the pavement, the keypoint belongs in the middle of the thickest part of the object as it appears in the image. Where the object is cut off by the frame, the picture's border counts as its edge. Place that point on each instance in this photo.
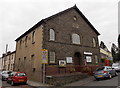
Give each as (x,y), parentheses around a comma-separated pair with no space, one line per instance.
(82,81)
(36,84)
(78,83)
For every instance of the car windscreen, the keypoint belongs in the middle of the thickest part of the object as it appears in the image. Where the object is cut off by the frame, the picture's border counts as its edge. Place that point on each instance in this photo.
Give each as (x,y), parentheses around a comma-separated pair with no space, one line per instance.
(115,65)
(101,68)
(21,74)
(4,72)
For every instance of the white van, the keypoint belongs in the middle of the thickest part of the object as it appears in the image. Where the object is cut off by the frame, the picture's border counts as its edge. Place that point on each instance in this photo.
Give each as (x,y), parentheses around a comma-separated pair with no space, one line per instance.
(116,66)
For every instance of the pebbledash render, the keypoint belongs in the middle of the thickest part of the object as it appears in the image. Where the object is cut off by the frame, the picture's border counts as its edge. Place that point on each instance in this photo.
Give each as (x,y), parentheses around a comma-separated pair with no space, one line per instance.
(69,38)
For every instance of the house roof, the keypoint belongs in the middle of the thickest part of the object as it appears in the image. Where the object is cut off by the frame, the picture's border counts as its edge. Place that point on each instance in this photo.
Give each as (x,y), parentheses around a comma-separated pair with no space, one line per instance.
(53,16)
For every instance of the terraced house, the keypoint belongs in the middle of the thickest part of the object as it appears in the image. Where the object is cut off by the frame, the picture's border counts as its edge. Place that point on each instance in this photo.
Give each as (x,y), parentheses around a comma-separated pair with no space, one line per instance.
(71,40)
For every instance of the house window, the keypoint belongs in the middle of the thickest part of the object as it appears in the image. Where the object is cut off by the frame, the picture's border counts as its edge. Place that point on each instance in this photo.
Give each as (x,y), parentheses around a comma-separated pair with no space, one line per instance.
(75,39)
(96,59)
(52,57)
(52,35)
(94,42)
(24,62)
(74,18)
(33,62)
(33,37)
(26,40)
(20,43)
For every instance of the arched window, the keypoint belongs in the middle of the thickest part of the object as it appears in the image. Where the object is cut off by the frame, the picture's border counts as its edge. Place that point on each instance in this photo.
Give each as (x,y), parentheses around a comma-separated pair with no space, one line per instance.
(20,43)
(33,37)
(96,59)
(75,39)
(94,42)
(52,35)
(26,40)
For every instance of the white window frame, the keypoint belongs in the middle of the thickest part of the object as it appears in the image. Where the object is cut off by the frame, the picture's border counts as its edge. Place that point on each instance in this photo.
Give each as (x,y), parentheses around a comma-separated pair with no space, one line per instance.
(94,42)
(52,35)
(75,38)
(51,57)
(96,59)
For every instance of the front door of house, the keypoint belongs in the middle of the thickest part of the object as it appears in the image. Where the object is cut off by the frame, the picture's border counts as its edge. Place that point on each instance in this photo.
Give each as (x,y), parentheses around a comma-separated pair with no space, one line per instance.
(77,59)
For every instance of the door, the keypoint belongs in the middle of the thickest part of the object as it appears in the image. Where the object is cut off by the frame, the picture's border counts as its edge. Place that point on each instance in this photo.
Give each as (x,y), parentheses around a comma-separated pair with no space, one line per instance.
(77,59)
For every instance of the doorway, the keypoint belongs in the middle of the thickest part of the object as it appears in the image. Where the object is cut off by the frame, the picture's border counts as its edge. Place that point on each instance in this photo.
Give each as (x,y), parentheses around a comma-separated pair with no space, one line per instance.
(77,58)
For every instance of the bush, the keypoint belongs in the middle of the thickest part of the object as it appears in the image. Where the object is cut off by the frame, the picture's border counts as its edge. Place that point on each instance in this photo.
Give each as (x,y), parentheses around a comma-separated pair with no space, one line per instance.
(103,60)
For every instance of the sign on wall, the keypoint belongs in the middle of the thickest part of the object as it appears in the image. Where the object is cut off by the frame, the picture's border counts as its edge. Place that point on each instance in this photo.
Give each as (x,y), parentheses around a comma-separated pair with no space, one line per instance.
(69,60)
(62,63)
(88,59)
(87,53)
(44,56)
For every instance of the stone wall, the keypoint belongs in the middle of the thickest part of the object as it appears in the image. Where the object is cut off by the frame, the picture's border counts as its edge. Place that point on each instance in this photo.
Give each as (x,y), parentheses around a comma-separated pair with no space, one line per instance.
(60,80)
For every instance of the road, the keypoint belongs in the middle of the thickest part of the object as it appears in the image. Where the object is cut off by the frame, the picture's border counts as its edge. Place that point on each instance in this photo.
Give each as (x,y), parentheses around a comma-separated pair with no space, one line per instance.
(103,82)
(115,81)
(4,84)
(90,81)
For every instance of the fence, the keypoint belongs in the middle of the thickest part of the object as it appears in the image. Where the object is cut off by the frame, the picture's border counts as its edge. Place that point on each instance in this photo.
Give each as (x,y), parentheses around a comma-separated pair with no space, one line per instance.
(55,70)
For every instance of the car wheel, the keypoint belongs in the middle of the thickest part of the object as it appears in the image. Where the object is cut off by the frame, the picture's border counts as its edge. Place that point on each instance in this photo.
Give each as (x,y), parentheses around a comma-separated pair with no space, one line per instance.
(12,83)
(25,83)
(97,79)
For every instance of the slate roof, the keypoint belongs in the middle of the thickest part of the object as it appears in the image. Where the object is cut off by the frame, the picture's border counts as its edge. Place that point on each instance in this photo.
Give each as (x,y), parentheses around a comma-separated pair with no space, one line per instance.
(53,16)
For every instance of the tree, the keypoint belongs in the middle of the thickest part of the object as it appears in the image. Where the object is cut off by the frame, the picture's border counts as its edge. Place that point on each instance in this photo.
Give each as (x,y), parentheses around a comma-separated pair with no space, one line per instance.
(115,53)
(119,41)
(118,55)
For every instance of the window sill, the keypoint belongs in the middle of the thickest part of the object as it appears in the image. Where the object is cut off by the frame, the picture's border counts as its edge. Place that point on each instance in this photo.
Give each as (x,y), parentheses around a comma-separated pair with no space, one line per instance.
(52,40)
(33,42)
(52,63)
(75,44)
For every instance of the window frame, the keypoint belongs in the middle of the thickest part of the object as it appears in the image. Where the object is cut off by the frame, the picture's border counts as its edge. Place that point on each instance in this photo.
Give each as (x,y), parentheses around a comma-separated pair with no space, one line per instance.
(54,57)
(96,59)
(26,41)
(33,37)
(75,36)
(20,43)
(94,42)
(52,36)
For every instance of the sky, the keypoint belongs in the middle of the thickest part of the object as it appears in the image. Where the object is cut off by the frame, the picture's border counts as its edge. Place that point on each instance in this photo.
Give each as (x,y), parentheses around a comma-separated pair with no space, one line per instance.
(18,16)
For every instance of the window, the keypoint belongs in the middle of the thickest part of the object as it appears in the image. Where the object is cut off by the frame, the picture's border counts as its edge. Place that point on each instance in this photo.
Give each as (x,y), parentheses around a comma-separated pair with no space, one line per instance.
(20,43)
(101,68)
(52,57)
(96,59)
(75,39)
(33,37)
(33,61)
(26,40)
(19,62)
(94,42)
(52,35)
(88,59)
(74,18)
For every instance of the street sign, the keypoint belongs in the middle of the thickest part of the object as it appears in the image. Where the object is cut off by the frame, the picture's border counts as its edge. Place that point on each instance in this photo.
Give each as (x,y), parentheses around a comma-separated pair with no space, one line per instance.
(44,56)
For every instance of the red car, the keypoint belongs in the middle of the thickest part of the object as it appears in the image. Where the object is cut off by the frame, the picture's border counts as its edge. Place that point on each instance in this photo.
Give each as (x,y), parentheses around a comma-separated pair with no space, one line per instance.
(17,77)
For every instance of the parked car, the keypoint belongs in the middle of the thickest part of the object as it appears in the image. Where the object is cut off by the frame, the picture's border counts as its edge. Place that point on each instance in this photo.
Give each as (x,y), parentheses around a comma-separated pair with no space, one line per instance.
(17,77)
(5,74)
(116,66)
(104,72)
